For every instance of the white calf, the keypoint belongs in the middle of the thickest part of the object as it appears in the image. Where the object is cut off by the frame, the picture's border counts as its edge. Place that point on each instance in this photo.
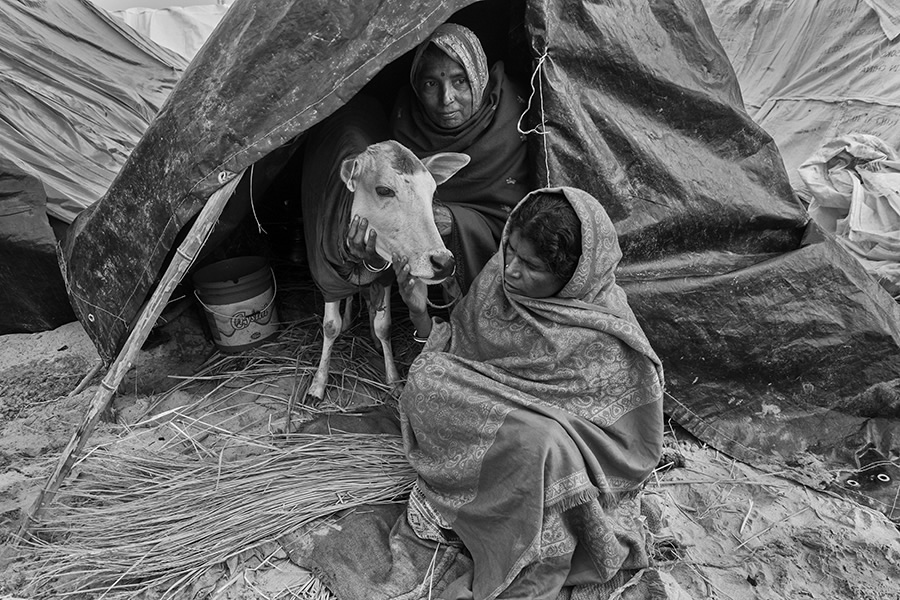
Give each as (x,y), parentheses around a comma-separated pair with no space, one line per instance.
(393,190)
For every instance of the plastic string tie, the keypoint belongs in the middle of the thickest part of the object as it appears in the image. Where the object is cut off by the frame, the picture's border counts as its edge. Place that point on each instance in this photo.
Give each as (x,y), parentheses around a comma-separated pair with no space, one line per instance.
(253,205)
(542,128)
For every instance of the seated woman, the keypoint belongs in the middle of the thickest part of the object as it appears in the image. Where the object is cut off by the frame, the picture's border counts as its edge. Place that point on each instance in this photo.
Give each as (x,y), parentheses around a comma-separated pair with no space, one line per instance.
(534,416)
(455,104)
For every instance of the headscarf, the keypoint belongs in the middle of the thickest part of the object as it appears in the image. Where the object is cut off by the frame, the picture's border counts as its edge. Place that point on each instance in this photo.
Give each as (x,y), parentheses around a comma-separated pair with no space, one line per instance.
(463,46)
(591,300)
(521,413)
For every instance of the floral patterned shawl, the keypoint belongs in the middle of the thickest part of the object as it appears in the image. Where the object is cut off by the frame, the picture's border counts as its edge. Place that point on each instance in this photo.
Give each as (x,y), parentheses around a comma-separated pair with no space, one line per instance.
(531,422)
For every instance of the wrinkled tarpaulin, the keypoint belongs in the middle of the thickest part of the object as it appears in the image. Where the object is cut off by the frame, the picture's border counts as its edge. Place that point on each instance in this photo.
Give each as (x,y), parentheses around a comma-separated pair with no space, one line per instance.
(764,341)
(181,29)
(813,70)
(33,294)
(77,90)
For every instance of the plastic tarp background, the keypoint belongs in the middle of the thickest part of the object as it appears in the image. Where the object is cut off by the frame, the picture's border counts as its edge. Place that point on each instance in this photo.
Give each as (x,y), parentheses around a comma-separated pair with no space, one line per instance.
(813,70)
(33,293)
(77,90)
(181,29)
(762,339)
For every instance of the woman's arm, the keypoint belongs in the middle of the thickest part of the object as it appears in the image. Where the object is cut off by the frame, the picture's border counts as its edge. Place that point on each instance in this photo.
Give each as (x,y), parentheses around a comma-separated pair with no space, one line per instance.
(415,294)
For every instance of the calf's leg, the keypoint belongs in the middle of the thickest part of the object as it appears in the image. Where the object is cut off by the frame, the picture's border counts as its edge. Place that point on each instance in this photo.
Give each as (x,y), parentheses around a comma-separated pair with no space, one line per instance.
(331,328)
(381,325)
(348,313)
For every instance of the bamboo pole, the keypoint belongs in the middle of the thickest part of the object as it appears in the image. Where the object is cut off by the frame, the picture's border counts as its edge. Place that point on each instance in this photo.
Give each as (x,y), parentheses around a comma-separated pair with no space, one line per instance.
(184,256)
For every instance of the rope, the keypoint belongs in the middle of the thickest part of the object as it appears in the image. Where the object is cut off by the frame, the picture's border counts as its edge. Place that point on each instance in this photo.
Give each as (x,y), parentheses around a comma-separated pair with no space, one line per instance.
(252,205)
(542,128)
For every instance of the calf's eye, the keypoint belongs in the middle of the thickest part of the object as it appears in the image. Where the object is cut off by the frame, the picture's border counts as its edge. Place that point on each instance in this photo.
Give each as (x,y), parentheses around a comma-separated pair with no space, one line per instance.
(384,192)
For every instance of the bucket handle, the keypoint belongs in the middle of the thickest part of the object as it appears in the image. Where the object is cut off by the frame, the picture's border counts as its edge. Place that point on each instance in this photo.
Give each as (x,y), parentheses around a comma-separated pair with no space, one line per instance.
(263,309)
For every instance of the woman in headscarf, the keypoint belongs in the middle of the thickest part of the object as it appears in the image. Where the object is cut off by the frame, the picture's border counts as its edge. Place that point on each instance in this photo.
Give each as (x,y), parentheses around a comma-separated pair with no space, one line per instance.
(455,103)
(534,416)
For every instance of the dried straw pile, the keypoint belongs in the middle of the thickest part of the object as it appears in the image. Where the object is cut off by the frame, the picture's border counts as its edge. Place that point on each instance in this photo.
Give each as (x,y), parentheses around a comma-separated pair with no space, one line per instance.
(141,521)
(215,487)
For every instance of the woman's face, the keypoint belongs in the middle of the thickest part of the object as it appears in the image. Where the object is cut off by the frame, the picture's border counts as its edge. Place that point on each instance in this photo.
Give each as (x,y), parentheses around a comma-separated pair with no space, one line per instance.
(526,273)
(444,90)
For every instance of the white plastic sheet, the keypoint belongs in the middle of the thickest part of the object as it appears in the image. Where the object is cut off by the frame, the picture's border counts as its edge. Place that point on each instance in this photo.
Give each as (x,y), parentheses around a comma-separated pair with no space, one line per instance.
(77,91)
(854,181)
(182,29)
(814,70)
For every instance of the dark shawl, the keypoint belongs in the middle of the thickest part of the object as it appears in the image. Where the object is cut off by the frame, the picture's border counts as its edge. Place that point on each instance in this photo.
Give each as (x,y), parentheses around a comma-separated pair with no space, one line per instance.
(326,201)
(481,195)
(533,422)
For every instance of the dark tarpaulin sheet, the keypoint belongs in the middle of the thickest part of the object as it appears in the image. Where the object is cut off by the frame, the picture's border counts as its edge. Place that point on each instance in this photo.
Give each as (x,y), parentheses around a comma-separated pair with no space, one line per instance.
(32,293)
(77,90)
(789,363)
(638,105)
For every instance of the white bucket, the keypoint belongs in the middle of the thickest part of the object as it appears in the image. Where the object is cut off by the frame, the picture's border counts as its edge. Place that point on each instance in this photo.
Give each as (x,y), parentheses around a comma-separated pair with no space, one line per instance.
(238,297)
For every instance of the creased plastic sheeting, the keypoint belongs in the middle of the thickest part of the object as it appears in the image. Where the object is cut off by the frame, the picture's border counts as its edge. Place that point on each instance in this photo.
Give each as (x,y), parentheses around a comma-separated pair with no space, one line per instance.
(813,70)
(181,29)
(790,364)
(32,294)
(642,109)
(888,16)
(269,71)
(77,91)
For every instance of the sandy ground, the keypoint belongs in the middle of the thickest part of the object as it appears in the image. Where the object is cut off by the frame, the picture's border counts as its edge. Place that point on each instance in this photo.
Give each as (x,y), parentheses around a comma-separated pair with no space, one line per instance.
(726,530)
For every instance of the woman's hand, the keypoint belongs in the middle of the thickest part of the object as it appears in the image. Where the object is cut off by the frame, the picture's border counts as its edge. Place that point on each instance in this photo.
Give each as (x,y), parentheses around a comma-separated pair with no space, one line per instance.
(413,291)
(361,247)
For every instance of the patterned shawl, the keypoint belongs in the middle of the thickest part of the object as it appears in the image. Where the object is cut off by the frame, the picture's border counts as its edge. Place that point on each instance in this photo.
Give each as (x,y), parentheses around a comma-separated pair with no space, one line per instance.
(530,422)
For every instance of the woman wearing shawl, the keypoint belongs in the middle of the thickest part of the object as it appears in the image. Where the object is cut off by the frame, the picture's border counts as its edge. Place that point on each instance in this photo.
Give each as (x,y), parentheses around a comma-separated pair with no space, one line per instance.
(456,104)
(533,416)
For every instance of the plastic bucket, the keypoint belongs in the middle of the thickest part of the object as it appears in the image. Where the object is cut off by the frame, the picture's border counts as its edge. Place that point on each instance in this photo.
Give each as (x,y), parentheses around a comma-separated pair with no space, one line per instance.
(238,296)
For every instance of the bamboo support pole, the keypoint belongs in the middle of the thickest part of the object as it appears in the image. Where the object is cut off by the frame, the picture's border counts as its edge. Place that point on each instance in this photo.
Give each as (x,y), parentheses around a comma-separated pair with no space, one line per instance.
(184,256)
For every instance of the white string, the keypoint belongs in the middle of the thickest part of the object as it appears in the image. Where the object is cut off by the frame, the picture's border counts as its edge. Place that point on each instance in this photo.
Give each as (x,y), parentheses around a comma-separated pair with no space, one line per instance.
(429,574)
(540,129)
(252,206)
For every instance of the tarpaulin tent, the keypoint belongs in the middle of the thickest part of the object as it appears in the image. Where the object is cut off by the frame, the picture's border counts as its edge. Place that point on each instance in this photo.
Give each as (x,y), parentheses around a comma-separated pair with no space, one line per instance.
(762,338)
(34,296)
(813,70)
(181,29)
(77,91)
(824,78)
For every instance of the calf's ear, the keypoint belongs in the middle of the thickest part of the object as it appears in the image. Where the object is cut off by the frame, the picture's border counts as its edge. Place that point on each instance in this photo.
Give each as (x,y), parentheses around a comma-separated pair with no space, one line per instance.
(349,172)
(445,165)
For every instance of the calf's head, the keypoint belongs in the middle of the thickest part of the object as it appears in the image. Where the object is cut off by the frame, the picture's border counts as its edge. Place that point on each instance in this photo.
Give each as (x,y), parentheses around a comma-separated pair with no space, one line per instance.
(394,190)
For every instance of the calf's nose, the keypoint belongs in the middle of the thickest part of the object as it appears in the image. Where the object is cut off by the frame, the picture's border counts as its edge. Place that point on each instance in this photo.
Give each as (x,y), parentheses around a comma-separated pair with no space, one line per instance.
(443,265)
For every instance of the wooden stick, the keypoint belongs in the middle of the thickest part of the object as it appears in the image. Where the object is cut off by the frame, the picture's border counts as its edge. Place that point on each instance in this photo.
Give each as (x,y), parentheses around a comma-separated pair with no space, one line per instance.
(185,254)
(86,379)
